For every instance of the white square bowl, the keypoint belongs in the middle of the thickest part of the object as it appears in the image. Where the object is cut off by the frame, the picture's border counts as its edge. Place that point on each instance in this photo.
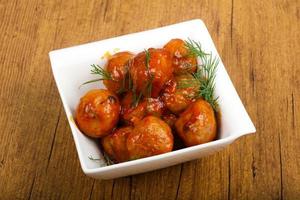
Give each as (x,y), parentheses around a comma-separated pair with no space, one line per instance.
(71,67)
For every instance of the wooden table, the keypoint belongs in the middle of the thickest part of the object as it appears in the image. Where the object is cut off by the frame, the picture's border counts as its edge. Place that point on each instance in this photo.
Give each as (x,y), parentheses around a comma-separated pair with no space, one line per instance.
(259,45)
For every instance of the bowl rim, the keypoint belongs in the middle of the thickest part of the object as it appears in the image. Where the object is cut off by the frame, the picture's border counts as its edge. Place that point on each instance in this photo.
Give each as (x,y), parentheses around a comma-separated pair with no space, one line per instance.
(183,151)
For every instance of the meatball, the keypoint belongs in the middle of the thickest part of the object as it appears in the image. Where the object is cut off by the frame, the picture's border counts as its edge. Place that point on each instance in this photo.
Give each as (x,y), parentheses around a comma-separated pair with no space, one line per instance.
(170,119)
(131,114)
(197,124)
(151,136)
(182,61)
(97,113)
(117,66)
(155,106)
(180,92)
(158,71)
(115,144)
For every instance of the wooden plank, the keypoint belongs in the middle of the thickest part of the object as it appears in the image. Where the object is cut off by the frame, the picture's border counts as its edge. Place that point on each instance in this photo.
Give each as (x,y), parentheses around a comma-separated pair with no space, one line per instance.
(256,168)
(37,108)
(24,116)
(208,178)
(288,70)
(62,176)
(260,47)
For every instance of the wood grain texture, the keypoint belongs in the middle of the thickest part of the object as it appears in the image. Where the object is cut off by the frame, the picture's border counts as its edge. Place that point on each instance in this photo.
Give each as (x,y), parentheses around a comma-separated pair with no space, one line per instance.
(259,44)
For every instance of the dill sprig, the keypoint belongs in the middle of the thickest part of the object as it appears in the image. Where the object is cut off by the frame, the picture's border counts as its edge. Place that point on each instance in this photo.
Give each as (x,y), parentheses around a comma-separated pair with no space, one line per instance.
(123,86)
(205,74)
(147,59)
(151,77)
(96,69)
(130,83)
(107,160)
(194,48)
(148,86)
(94,159)
(135,97)
(126,80)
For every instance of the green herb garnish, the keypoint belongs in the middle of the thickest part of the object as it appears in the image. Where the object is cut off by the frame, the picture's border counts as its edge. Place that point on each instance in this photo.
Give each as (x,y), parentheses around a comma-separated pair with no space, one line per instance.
(135,97)
(94,159)
(205,74)
(147,59)
(194,48)
(126,79)
(104,75)
(148,87)
(100,71)
(107,160)
(123,86)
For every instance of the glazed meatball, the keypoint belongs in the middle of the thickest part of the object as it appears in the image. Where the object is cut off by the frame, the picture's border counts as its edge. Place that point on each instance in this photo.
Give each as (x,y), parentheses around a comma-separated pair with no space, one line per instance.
(117,66)
(182,62)
(115,145)
(159,70)
(131,114)
(97,113)
(154,106)
(151,136)
(180,92)
(170,119)
(197,124)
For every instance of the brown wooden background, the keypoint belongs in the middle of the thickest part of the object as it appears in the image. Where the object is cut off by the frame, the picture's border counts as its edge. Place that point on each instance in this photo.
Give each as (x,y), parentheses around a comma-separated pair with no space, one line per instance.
(259,44)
